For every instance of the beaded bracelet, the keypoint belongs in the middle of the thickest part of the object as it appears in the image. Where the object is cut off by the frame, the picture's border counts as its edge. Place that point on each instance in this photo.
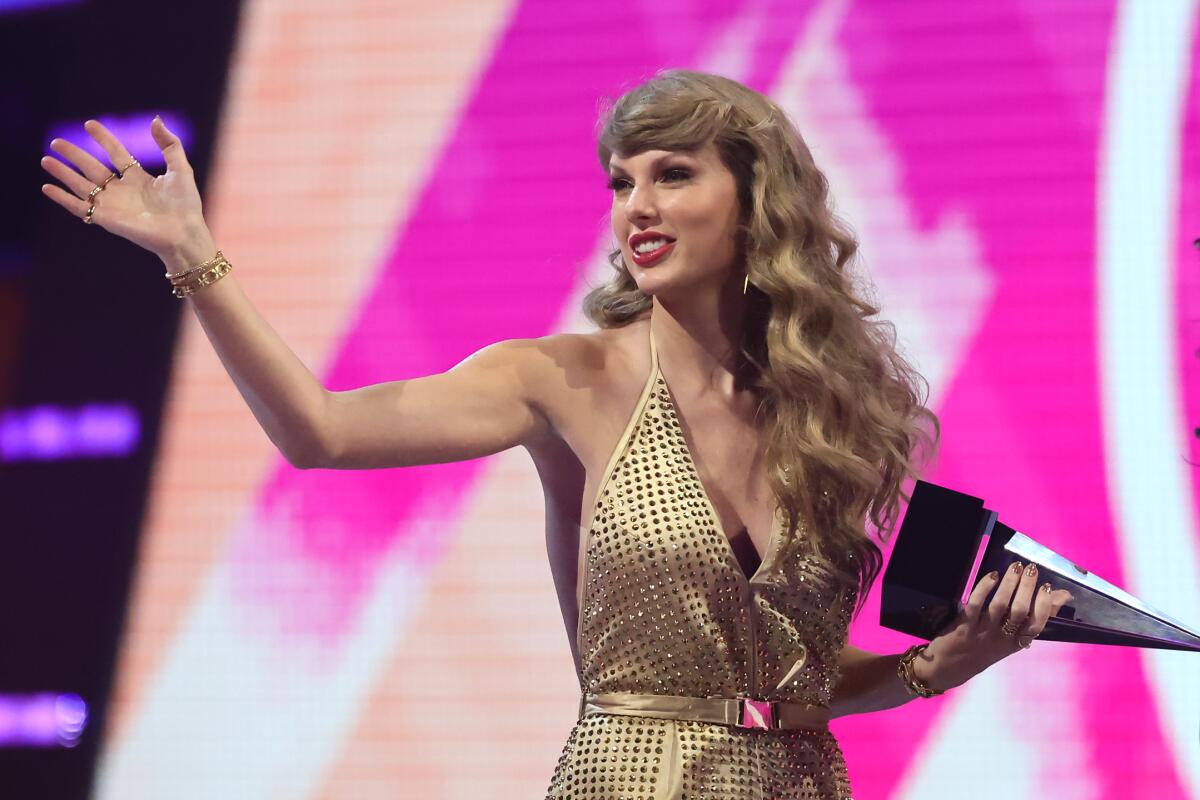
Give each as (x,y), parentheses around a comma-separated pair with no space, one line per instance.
(904,669)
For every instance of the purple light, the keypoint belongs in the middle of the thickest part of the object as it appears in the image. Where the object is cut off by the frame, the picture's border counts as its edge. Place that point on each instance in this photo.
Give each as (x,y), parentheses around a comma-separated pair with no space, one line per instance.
(133,130)
(101,430)
(71,714)
(42,720)
(51,433)
(25,5)
(47,432)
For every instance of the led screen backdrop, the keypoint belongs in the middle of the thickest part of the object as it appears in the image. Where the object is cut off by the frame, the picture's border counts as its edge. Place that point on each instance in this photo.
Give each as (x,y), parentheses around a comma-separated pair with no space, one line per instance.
(1023,177)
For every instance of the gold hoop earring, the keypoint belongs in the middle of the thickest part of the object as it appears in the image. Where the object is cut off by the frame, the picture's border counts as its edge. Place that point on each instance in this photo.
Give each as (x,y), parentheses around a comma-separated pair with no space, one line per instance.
(746,284)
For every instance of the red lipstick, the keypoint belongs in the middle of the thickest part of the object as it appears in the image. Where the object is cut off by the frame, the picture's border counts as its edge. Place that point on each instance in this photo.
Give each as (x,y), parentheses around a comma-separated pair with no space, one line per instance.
(651,256)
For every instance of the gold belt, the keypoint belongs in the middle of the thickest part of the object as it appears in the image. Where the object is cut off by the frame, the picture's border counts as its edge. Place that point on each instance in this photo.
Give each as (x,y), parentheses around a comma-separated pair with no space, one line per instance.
(740,711)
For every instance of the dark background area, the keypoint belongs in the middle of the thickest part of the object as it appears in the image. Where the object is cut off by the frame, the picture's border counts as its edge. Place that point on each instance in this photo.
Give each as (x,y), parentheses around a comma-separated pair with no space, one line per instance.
(85,317)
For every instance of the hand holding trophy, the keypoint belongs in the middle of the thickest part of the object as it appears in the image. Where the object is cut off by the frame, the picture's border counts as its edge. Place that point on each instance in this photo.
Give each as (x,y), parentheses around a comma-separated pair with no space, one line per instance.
(934,560)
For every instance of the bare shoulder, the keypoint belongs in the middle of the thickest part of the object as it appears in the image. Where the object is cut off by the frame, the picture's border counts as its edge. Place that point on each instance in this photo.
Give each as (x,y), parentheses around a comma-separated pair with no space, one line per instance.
(562,363)
(571,376)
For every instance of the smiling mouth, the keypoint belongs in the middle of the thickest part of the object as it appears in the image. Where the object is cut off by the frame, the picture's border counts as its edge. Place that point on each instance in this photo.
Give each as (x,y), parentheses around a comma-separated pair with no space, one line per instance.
(651,251)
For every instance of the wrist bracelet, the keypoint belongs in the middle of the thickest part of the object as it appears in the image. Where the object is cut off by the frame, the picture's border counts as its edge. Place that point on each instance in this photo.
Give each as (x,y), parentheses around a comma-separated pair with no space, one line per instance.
(191,271)
(904,669)
(196,278)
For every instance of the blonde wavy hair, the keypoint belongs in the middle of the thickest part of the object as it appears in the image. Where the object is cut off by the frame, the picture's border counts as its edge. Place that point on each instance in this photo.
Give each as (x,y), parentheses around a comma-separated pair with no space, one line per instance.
(846,413)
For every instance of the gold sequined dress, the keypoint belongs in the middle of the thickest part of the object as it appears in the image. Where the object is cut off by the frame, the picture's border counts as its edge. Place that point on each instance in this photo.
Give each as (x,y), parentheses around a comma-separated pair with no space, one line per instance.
(666,609)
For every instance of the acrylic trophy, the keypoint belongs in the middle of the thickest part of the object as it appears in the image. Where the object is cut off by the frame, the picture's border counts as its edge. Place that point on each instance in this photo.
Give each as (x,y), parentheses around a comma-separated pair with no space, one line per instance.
(937,555)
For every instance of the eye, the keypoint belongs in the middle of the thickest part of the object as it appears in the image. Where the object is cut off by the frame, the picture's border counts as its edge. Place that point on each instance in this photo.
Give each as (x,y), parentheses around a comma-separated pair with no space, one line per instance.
(618,184)
(676,174)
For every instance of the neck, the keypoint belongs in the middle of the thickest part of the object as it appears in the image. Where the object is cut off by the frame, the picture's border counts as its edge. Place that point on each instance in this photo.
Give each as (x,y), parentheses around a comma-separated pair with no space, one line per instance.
(698,338)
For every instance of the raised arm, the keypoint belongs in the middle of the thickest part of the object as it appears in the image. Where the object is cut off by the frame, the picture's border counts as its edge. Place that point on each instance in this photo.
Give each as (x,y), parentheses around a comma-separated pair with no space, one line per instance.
(484,405)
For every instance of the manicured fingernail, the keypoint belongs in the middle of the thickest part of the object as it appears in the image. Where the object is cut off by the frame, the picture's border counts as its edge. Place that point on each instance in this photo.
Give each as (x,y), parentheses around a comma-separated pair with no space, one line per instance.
(1016,567)
(994,575)
(1045,587)
(1031,570)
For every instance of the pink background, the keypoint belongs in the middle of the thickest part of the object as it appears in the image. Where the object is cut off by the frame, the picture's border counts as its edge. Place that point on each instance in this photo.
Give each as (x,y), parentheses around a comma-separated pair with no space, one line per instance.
(394,633)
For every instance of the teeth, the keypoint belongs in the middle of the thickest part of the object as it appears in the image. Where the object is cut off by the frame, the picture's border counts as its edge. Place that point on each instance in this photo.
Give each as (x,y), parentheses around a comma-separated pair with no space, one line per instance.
(653,244)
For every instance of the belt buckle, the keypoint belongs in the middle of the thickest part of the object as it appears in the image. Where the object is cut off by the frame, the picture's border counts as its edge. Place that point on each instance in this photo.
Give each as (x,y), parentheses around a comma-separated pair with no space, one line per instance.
(762,714)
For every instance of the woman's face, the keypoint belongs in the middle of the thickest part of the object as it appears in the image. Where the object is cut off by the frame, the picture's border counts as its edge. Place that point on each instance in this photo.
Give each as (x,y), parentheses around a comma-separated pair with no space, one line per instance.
(675,215)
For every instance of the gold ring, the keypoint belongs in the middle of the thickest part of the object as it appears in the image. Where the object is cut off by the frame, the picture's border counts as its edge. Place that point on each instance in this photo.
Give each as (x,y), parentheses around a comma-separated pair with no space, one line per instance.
(133,163)
(1026,641)
(92,194)
(111,175)
(1008,628)
(90,211)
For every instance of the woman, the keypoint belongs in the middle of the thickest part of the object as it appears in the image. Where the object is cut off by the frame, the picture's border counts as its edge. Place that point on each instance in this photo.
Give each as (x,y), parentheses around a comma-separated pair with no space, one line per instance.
(711,456)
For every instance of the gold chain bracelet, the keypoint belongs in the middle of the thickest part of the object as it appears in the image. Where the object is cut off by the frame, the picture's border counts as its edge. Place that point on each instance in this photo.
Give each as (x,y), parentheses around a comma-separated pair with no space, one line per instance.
(192,280)
(904,669)
(178,276)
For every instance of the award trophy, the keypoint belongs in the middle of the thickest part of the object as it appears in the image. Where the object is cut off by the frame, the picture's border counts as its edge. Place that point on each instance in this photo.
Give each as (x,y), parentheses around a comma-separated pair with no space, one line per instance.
(937,555)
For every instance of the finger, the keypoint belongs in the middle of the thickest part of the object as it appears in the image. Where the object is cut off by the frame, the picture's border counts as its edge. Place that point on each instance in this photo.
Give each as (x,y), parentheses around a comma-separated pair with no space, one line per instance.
(84,161)
(997,610)
(65,199)
(974,604)
(1041,610)
(1058,599)
(1036,621)
(171,147)
(70,178)
(118,154)
(1046,604)
(1019,611)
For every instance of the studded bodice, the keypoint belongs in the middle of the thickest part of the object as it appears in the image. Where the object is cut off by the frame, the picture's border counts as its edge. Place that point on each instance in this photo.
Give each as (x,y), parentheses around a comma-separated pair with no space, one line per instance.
(665,608)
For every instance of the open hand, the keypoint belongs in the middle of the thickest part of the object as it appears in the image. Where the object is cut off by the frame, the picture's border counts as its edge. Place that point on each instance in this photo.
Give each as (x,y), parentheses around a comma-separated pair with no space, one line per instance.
(979,636)
(161,214)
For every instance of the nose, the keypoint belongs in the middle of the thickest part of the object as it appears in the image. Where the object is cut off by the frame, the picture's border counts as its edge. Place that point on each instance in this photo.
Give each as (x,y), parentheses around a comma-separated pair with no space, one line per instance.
(640,207)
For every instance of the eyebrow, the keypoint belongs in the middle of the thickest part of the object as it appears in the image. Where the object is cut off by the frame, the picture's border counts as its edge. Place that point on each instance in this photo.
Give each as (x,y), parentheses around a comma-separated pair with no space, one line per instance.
(615,170)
